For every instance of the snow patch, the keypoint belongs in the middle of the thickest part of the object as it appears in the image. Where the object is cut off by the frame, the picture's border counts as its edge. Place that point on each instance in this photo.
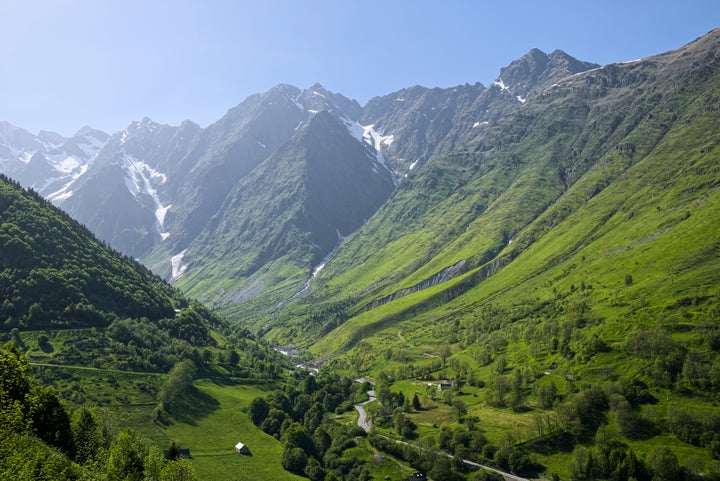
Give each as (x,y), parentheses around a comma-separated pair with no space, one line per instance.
(160,213)
(520,99)
(260,144)
(501,84)
(297,104)
(67,165)
(371,138)
(178,268)
(297,127)
(412,166)
(60,195)
(65,192)
(91,146)
(140,182)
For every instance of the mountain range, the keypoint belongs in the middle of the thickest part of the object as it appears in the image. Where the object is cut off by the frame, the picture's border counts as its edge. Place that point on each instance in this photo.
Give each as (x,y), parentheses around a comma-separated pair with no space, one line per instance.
(252,204)
(551,240)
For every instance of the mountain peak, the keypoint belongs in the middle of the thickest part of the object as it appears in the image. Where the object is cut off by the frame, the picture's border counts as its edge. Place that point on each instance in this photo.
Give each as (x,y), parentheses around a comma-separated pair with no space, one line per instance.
(52,138)
(87,131)
(536,70)
(316,87)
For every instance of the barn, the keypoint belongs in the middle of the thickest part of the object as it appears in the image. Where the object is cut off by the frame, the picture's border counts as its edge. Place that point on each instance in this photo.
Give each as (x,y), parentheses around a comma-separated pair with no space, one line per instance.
(241,448)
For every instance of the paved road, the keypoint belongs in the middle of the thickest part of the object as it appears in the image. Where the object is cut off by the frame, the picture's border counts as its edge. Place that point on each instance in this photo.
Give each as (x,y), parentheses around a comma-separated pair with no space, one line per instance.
(363,420)
(366,424)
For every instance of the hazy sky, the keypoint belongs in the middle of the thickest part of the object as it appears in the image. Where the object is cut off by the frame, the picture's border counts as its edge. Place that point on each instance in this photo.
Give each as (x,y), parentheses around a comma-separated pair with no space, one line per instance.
(105,63)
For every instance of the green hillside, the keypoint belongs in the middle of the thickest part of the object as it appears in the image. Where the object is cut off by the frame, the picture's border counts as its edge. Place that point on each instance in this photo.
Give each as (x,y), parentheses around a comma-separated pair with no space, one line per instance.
(54,273)
(564,263)
(572,170)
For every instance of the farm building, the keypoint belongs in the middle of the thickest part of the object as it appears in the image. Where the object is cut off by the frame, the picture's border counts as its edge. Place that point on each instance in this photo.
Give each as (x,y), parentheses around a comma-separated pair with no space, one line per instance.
(241,448)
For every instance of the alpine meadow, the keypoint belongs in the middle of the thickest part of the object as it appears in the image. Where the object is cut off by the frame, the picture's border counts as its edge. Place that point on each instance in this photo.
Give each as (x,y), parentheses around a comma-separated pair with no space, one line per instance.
(513,281)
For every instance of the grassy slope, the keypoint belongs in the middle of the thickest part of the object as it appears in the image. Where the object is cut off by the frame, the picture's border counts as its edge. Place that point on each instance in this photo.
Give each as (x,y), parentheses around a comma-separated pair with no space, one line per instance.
(661,232)
(212,437)
(585,165)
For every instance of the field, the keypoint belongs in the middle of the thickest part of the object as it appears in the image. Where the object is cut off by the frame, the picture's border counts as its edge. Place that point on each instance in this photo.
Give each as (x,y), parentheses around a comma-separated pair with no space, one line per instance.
(217,423)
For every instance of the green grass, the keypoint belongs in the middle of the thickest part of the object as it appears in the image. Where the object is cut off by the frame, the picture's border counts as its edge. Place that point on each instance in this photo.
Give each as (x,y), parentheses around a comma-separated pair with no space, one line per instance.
(211,437)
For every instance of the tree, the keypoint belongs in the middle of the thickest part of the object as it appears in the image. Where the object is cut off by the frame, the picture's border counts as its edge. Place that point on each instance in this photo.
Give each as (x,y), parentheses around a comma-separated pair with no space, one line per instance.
(547,393)
(153,464)
(314,471)
(50,421)
(460,409)
(273,422)
(179,470)
(125,457)
(441,469)
(258,410)
(296,435)
(233,358)
(86,433)
(403,424)
(445,353)
(172,452)
(664,464)
(294,460)
(43,341)
(416,402)
(178,381)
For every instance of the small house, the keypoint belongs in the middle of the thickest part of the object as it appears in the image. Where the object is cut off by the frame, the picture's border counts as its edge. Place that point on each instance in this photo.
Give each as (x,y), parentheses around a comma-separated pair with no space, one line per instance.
(241,448)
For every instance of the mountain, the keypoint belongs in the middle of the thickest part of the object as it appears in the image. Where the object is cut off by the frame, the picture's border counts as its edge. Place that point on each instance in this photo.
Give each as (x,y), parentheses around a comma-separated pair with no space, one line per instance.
(124,197)
(603,174)
(161,193)
(549,242)
(47,162)
(55,273)
(418,123)
(289,212)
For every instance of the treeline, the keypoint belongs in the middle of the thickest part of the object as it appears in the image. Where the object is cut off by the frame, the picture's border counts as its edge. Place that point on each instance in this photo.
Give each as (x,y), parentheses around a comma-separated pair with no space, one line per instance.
(41,440)
(313,444)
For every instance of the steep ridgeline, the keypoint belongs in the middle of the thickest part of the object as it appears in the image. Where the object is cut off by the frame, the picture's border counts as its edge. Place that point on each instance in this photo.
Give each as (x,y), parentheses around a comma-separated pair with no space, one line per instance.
(125,196)
(48,162)
(423,123)
(55,274)
(605,173)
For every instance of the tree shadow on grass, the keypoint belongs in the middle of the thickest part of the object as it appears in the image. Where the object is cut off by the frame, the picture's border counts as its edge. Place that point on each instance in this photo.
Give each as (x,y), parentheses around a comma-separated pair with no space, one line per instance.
(190,406)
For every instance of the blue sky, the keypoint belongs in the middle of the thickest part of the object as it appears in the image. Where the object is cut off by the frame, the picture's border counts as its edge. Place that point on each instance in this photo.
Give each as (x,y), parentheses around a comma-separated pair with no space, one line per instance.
(105,63)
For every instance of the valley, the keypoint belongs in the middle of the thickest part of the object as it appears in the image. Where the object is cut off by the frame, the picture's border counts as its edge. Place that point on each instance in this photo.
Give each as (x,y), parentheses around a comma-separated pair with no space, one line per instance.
(527,272)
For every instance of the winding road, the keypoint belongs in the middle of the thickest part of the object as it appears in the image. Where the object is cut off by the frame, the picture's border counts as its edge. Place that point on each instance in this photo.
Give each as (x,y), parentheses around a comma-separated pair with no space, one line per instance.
(365,423)
(363,420)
